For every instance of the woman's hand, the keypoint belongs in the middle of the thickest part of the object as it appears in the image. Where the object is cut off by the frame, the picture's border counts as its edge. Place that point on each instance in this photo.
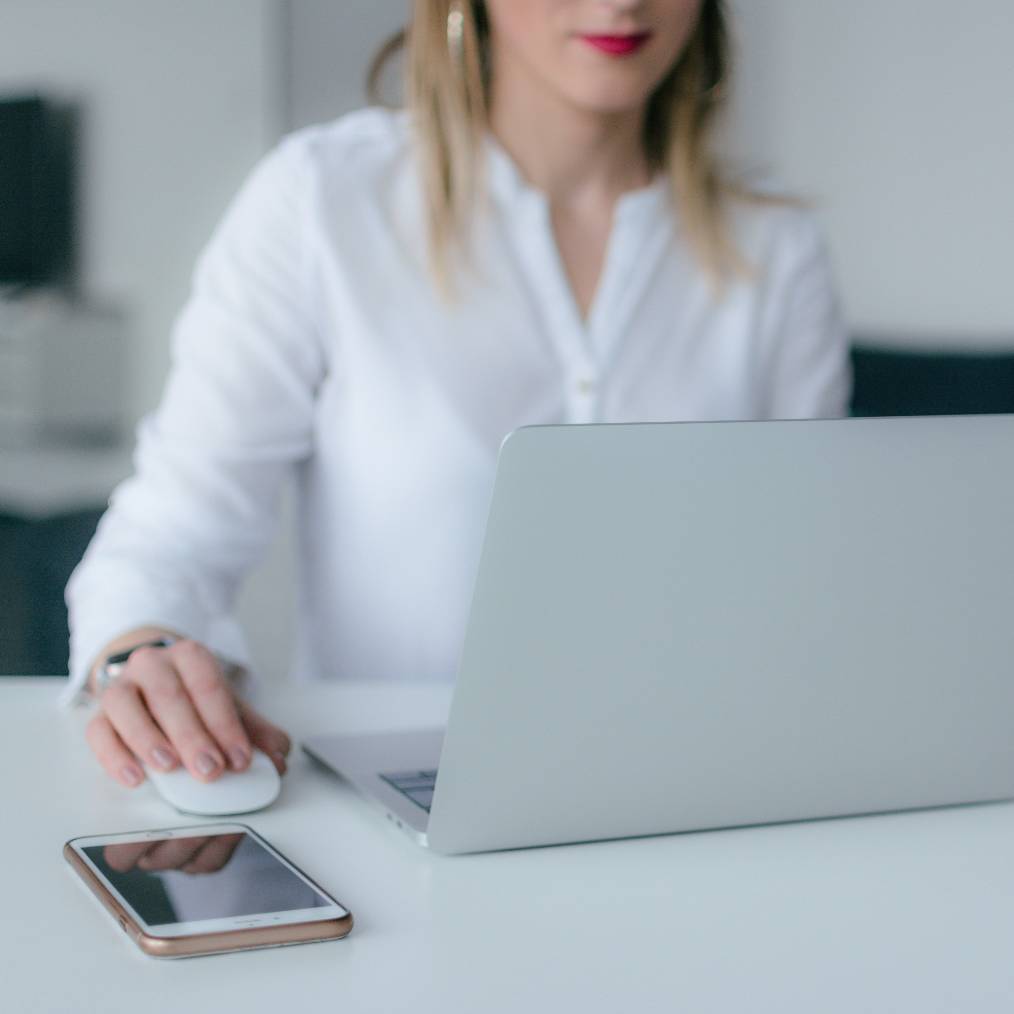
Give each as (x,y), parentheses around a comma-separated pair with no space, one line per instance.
(174,705)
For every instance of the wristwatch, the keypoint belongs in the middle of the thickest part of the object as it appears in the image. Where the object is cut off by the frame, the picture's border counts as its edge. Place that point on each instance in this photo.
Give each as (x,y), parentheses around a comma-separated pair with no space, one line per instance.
(113,665)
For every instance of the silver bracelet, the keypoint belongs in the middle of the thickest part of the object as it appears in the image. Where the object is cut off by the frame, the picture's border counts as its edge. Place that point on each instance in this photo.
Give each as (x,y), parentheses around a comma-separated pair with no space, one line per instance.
(113,666)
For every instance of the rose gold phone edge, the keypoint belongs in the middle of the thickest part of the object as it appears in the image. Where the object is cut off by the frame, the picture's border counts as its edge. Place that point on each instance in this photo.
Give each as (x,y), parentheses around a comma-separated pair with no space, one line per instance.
(209,943)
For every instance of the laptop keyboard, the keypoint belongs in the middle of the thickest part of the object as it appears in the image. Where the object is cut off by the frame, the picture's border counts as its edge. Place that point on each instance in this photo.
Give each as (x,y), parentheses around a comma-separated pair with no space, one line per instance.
(414,785)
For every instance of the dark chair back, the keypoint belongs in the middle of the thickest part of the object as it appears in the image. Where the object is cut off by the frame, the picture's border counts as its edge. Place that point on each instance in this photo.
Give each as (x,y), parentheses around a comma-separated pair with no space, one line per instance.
(894,381)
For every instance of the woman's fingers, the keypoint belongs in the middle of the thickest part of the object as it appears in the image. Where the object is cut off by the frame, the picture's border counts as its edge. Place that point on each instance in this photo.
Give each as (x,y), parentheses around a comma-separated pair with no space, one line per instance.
(213,698)
(174,705)
(112,753)
(171,707)
(132,721)
(265,736)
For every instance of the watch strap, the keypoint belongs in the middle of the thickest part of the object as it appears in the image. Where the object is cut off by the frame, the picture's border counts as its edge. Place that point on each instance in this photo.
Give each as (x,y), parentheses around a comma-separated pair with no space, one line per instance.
(113,666)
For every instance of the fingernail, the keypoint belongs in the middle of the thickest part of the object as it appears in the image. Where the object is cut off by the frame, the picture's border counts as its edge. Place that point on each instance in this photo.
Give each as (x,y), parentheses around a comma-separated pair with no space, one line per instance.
(239,758)
(280,758)
(205,763)
(131,775)
(163,758)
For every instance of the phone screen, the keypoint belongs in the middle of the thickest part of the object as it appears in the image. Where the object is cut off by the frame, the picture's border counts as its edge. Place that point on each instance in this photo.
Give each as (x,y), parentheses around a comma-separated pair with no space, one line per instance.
(205,877)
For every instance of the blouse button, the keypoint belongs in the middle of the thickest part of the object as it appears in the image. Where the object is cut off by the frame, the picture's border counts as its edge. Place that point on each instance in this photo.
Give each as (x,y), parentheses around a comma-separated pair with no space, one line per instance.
(586,386)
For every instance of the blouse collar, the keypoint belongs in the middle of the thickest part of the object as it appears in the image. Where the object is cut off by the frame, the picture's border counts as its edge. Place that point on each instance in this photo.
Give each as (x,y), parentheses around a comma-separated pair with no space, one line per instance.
(508,185)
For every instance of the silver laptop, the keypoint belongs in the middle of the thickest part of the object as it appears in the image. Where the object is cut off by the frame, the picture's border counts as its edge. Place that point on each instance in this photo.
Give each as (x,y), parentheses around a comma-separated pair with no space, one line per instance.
(700,625)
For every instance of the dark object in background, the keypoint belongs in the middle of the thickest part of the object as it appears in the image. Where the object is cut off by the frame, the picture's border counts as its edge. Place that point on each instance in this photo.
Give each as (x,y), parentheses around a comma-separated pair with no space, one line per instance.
(37,559)
(37,169)
(894,381)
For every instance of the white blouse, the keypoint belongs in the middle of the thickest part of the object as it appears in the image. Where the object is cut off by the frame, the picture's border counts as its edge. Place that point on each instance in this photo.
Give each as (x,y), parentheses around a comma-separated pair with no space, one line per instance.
(315,349)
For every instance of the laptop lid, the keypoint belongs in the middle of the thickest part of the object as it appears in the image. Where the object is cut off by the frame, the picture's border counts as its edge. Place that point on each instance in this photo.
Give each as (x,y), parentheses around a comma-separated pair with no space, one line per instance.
(686,626)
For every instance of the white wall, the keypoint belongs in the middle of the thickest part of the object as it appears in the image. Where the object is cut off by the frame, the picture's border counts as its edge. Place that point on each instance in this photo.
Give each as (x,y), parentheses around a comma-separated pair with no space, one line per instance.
(329,51)
(895,116)
(179,100)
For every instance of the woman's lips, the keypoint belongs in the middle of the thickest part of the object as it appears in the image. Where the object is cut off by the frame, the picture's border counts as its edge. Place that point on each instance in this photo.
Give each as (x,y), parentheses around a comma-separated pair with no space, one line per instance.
(617,45)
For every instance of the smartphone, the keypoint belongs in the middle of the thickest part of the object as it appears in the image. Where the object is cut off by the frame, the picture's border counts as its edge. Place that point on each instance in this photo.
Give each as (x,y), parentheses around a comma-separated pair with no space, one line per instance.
(185,891)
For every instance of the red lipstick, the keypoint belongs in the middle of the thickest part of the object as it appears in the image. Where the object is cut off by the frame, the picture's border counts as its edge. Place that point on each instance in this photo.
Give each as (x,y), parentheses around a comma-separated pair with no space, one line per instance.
(617,45)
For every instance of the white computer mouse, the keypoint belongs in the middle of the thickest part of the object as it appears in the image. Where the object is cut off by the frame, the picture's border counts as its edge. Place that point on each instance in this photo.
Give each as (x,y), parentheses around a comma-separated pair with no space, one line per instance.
(232,792)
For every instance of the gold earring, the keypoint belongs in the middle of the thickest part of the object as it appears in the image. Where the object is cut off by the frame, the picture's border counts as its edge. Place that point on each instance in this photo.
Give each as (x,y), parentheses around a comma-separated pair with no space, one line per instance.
(456,33)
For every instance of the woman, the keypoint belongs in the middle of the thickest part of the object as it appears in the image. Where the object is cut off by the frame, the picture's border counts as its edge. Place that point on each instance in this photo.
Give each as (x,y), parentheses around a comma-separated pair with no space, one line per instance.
(542,237)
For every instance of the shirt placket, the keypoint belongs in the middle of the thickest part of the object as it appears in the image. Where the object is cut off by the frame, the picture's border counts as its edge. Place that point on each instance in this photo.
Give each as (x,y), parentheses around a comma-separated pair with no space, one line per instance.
(567,331)
(640,236)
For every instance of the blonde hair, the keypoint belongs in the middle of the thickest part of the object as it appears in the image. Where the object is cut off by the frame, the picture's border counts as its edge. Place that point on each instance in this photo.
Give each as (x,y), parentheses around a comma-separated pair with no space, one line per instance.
(447,93)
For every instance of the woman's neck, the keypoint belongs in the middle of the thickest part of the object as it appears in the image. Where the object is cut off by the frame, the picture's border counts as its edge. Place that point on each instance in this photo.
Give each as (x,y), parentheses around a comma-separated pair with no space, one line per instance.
(568,153)
(583,161)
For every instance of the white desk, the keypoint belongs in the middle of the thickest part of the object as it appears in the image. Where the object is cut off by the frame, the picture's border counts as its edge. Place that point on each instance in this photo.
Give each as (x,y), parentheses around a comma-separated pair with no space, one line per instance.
(905,913)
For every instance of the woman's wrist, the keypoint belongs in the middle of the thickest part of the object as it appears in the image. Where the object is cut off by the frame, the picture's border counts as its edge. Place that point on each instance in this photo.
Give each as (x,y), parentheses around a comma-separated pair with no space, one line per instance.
(125,642)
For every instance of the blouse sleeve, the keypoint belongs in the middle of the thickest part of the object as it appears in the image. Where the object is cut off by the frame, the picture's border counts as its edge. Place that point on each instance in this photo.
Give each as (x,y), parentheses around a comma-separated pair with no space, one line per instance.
(235,418)
(806,367)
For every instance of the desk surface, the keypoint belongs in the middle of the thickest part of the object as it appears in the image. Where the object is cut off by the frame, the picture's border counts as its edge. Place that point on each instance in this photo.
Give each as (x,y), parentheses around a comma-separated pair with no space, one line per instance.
(908,912)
